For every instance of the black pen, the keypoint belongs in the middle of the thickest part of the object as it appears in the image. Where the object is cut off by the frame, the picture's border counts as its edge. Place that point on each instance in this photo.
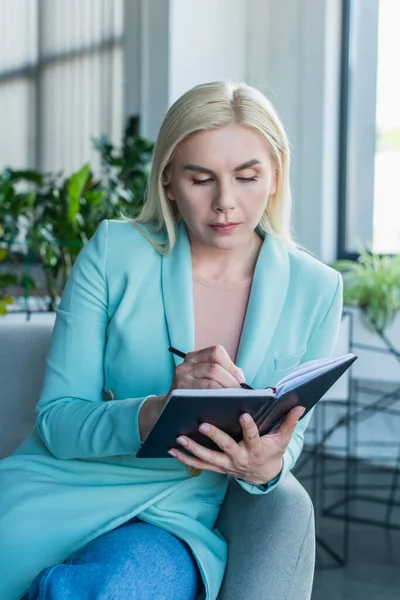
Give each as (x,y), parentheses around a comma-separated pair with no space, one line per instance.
(177,352)
(182,355)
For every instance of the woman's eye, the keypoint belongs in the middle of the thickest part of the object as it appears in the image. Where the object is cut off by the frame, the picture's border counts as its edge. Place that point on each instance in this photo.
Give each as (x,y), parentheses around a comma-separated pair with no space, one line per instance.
(209,180)
(246,179)
(201,181)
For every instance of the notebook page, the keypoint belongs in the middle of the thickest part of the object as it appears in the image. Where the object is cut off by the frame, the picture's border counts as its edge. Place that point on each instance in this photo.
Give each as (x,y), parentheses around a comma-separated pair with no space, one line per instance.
(307,371)
(222,392)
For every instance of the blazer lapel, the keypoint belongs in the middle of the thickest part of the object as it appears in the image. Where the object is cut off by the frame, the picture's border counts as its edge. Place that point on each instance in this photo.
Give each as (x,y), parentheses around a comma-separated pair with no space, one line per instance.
(267,296)
(177,290)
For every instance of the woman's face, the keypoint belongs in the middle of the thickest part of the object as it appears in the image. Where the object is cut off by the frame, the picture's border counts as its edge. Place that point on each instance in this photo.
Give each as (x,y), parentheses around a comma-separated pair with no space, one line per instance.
(221,181)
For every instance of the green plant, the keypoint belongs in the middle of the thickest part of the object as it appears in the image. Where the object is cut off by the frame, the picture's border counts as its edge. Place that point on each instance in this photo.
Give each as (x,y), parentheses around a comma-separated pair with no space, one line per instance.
(48,218)
(6,280)
(125,172)
(372,283)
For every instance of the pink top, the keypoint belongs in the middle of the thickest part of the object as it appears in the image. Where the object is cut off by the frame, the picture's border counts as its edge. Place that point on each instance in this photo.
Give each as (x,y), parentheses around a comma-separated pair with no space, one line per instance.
(219,310)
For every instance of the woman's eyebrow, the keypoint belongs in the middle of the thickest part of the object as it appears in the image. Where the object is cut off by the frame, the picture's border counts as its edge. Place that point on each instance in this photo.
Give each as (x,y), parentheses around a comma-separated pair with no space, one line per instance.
(248,164)
(199,169)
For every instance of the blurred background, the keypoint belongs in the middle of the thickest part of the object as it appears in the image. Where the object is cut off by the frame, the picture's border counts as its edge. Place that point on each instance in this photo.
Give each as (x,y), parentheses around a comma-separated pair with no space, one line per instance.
(84,85)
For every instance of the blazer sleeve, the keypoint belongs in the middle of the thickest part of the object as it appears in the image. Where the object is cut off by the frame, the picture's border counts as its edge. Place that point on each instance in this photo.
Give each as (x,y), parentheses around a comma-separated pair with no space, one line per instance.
(73,420)
(320,345)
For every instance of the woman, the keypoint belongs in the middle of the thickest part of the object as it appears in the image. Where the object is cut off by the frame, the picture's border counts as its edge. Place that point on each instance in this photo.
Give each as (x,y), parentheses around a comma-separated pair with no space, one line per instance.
(210,268)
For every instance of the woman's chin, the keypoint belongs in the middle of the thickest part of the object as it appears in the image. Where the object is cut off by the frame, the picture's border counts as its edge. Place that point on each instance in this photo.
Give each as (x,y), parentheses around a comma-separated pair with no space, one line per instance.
(208,236)
(227,241)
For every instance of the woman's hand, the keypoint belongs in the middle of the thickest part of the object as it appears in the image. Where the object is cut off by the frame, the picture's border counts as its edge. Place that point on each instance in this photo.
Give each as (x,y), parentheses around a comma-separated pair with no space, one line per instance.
(209,368)
(255,459)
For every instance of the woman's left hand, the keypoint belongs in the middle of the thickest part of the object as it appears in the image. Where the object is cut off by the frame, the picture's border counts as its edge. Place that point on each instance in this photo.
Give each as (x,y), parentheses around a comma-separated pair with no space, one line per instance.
(255,459)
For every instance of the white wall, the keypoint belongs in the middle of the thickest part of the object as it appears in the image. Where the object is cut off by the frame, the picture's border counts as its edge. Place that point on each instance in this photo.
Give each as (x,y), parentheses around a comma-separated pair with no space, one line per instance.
(132,57)
(290,49)
(154,64)
(184,43)
(294,57)
(208,42)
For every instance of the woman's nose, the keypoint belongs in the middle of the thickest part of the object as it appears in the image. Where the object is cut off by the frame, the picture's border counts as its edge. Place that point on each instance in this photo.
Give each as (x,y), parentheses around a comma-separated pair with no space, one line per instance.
(224,199)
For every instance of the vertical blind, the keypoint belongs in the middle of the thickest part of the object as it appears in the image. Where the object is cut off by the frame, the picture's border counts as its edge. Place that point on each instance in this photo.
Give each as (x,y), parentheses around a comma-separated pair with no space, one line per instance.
(61,81)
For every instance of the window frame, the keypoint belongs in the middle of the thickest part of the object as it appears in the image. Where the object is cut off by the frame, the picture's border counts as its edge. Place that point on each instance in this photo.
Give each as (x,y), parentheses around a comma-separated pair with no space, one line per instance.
(343,132)
(346,201)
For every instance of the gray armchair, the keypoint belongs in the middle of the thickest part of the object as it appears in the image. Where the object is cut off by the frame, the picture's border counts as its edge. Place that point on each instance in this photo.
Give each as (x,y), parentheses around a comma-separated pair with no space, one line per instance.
(271,538)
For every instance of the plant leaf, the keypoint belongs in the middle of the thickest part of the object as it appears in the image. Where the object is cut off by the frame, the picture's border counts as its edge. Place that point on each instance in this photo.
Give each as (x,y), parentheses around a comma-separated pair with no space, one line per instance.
(75,187)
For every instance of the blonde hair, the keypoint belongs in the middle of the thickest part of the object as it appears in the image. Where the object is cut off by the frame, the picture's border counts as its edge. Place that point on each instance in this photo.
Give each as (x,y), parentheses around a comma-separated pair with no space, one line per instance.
(205,107)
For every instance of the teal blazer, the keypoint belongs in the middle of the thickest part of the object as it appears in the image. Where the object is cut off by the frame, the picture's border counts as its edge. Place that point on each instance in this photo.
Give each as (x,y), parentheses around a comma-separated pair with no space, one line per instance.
(76,476)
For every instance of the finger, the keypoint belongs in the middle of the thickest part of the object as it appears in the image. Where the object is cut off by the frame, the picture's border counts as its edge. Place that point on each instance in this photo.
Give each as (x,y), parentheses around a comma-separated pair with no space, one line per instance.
(190,382)
(216,373)
(289,424)
(194,462)
(223,441)
(219,355)
(205,454)
(184,378)
(251,435)
(205,384)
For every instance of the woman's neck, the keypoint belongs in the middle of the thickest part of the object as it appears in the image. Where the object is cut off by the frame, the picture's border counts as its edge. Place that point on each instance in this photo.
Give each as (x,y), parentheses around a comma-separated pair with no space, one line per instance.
(225,266)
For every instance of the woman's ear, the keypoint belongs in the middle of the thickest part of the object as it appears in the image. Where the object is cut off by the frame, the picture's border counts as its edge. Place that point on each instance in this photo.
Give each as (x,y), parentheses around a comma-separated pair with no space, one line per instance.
(169,192)
(166,182)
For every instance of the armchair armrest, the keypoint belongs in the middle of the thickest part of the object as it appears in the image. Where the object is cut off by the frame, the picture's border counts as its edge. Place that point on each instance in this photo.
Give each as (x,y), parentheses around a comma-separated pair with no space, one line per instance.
(271,541)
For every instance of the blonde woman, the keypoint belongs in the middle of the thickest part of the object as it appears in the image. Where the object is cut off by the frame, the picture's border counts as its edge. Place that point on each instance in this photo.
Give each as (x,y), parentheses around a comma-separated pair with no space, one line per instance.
(209,267)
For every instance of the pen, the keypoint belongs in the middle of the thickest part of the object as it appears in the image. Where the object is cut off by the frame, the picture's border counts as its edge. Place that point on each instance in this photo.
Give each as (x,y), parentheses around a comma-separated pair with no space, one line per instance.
(177,352)
(182,355)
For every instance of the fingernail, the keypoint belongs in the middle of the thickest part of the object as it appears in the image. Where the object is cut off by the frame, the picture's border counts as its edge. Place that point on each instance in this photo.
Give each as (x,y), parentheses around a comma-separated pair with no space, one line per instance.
(239,375)
(204,428)
(172,453)
(303,411)
(182,440)
(246,418)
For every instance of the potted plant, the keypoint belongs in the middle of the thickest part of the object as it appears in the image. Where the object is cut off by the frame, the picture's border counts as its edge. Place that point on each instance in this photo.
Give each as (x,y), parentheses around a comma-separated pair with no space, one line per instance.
(372,294)
(125,172)
(372,283)
(48,218)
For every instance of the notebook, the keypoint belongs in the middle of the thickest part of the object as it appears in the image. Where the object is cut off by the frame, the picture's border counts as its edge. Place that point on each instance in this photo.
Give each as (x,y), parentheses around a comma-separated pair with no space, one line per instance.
(186,409)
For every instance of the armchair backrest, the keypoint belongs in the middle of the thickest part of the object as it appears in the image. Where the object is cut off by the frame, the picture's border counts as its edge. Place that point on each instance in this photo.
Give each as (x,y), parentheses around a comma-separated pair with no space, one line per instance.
(23,349)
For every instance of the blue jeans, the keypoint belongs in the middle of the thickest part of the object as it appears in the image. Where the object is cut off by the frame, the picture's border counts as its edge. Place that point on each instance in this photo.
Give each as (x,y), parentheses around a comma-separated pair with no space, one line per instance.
(135,561)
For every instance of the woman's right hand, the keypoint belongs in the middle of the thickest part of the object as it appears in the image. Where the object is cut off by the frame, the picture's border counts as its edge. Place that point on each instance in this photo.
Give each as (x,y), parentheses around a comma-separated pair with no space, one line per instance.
(209,368)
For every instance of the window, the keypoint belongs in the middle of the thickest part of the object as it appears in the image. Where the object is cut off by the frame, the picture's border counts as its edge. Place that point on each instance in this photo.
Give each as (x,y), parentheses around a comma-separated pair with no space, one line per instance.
(370,133)
(61,81)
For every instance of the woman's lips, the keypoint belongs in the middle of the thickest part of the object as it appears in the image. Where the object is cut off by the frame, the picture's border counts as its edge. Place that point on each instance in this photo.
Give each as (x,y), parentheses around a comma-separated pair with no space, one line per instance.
(222,228)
